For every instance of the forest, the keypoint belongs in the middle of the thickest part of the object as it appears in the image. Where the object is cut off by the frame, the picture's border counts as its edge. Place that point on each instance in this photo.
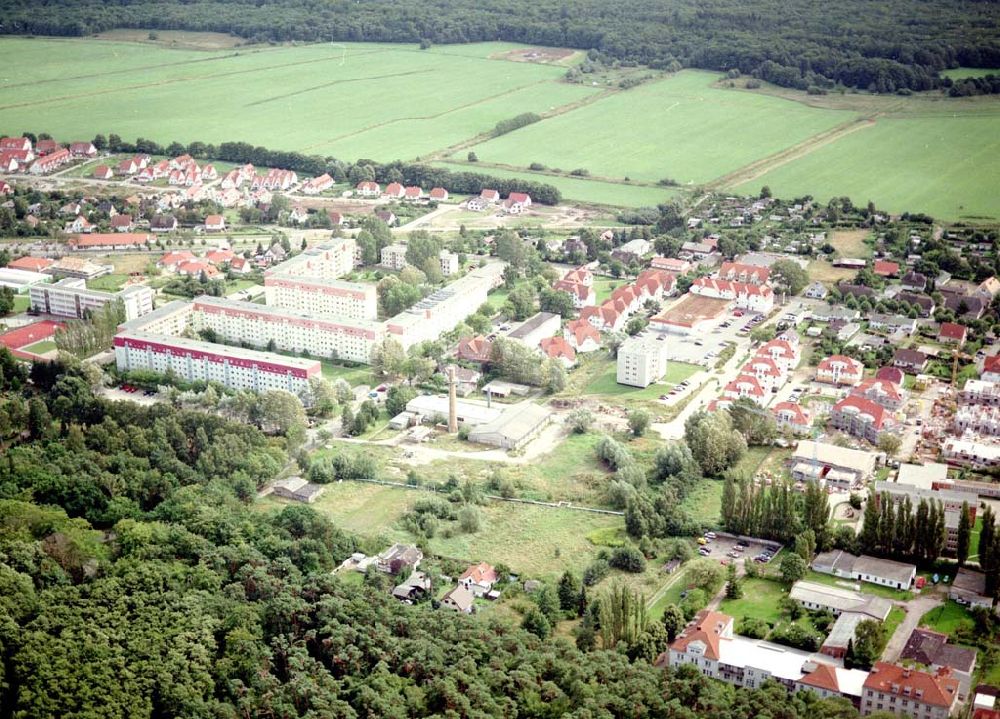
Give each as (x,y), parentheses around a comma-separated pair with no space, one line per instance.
(137,580)
(886,47)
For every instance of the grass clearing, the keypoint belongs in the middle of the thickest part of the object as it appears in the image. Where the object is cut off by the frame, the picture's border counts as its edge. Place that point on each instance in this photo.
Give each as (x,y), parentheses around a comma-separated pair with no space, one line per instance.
(40,348)
(961,73)
(947,618)
(945,165)
(760,600)
(823,271)
(108,283)
(704,502)
(851,243)
(679,127)
(21,304)
(354,376)
(605,381)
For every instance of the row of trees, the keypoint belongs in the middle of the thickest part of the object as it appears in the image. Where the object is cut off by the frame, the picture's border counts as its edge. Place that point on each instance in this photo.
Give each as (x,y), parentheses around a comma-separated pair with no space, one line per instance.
(902,531)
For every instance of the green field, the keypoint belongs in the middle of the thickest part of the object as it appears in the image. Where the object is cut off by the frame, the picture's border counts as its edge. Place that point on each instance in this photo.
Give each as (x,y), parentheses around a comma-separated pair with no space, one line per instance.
(760,600)
(704,502)
(40,348)
(350,101)
(947,166)
(108,283)
(606,382)
(960,73)
(947,618)
(678,128)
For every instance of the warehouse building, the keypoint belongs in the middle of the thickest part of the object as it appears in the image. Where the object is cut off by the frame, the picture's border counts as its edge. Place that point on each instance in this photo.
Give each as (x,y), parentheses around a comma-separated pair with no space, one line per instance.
(513,429)
(21,280)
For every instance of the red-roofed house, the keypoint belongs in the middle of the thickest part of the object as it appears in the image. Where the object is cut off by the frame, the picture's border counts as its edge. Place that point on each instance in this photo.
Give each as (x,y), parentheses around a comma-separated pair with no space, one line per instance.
(219,257)
(439,194)
(103,172)
(368,189)
(475,349)
(888,394)
(394,190)
(129,166)
(172,260)
(745,386)
(607,318)
(215,223)
(558,348)
(670,264)
(491,196)
(581,275)
(840,370)
(14,160)
(317,184)
(31,264)
(80,224)
(749,274)
(991,369)
(479,578)
(901,690)
(701,641)
(412,193)
(632,300)
(755,298)
(50,162)
(885,268)
(44,147)
(195,267)
(5,187)
(240,265)
(15,143)
(785,355)
(122,223)
(582,335)
(656,284)
(792,416)
(766,370)
(860,417)
(890,374)
(82,149)
(952,333)
(582,295)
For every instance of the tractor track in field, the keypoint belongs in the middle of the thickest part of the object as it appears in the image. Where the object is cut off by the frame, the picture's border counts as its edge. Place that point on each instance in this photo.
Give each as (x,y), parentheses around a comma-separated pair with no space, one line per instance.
(760,167)
(171,81)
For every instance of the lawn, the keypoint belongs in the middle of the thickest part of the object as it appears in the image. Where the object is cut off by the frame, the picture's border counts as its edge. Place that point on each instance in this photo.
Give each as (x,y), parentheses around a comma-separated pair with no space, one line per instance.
(618,194)
(892,622)
(851,243)
(21,304)
(40,348)
(605,383)
(357,100)
(760,600)
(704,502)
(977,529)
(108,283)
(679,128)
(352,375)
(604,288)
(536,541)
(946,165)
(960,73)
(947,618)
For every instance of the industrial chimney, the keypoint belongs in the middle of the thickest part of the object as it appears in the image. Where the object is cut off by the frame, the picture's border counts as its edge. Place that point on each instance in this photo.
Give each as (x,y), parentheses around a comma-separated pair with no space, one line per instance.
(452,401)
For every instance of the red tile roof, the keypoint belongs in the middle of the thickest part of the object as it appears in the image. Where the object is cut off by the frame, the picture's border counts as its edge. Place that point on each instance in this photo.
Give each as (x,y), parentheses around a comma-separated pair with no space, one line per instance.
(708,628)
(581,330)
(938,689)
(890,374)
(557,347)
(886,268)
(823,676)
(475,349)
(32,264)
(879,387)
(863,406)
(109,239)
(952,331)
(853,366)
(992,364)
(481,573)
(798,414)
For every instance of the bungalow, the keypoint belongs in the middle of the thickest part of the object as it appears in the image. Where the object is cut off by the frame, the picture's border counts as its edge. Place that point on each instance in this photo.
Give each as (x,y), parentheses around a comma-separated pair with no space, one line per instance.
(792,416)
(860,417)
(394,190)
(317,185)
(163,223)
(479,578)
(172,260)
(439,194)
(368,189)
(215,223)
(82,149)
(910,361)
(840,370)
(558,348)
(582,336)
(103,172)
(122,223)
(885,268)
(952,333)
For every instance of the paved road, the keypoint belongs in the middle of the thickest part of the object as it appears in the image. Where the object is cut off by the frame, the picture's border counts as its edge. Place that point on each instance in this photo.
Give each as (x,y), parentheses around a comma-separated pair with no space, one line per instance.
(915,608)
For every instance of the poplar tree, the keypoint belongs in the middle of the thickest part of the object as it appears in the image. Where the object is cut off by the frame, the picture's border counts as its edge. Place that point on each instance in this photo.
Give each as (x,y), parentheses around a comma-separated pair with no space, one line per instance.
(964,535)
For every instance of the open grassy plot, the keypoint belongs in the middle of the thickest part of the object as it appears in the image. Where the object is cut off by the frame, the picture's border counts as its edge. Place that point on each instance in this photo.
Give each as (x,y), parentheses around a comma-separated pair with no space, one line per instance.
(606,381)
(947,618)
(851,243)
(759,601)
(704,502)
(598,192)
(108,283)
(960,73)
(679,128)
(604,288)
(352,375)
(360,100)
(945,165)
(40,348)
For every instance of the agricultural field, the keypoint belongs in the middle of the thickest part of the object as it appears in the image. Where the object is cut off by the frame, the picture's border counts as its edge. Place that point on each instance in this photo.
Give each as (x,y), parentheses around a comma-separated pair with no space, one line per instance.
(416,101)
(961,73)
(679,128)
(943,165)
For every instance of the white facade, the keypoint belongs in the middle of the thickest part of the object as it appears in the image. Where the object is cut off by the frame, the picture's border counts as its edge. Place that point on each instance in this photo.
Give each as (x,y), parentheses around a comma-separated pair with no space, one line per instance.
(21,280)
(192,361)
(641,361)
(329,261)
(317,296)
(71,298)
(394,256)
(449,263)
(291,331)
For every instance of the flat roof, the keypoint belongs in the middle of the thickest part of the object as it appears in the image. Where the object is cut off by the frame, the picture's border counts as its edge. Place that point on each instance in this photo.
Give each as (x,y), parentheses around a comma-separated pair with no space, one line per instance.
(22,277)
(842,630)
(941,495)
(171,308)
(922,475)
(474,413)
(210,348)
(854,459)
(690,309)
(284,313)
(533,323)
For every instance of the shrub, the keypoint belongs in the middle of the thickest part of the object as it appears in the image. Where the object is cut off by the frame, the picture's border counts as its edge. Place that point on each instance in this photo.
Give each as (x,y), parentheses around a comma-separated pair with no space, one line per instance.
(628,559)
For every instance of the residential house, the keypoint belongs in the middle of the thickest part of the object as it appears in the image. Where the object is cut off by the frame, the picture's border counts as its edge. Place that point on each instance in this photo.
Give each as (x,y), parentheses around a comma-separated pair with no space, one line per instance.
(885,268)
(900,690)
(394,256)
(49,163)
(476,204)
(398,556)
(479,579)
(784,353)
(748,274)
(924,304)
(215,223)
(412,193)
(460,599)
(122,223)
(80,224)
(745,386)
(15,143)
(966,307)
(394,190)
(368,189)
(910,361)
(475,349)
(816,291)
(978,419)
(792,416)
(767,372)
(670,264)
(172,260)
(582,336)
(989,288)
(840,370)
(583,296)
(892,323)
(82,150)
(163,223)
(103,172)
(914,281)
(975,391)
(387,217)
(317,185)
(298,214)
(888,394)
(931,649)
(558,348)
(438,194)
(857,291)
(952,333)
(489,196)
(749,297)
(991,369)
(860,417)
(969,589)
(6,188)
(970,453)
(240,266)
(44,147)
(414,587)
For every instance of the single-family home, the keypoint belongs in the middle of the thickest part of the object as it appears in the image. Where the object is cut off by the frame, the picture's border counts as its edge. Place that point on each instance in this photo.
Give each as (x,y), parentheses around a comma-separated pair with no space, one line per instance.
(475,349)
(840,370)
(914,281)
(558,348)
(412,193)
(490,196)
(122,223)
(582,335)
(394,190)
(459,599)
(163,223)
(215,223)
(910,361)
(368,189)
(317,185)
(952,333)
(82,149)
(398,556)
(103,172)
(439,194)
(479,578)
(885,268)
(816,291)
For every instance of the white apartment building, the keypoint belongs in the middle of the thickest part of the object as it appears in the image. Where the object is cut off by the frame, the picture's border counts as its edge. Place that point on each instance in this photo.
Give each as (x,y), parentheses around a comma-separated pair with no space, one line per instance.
(330,260)
(318,296)
(641,361)
(449,263)
(70,298)
(980,419)
(394,256)
(170,320)
(192,360)
(442,310)
(291,330)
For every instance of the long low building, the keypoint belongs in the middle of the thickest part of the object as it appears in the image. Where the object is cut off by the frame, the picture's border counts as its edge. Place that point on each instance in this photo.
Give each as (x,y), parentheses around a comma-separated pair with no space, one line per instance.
(827,463)
(321,296)
(290,330)
(513,429)
(193,360)
(470,414)
(71,298)
(888,573)
(21,281)
(816,596)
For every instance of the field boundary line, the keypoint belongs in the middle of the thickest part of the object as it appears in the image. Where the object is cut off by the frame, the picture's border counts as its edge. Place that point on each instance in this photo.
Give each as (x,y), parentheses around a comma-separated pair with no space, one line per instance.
(562,175)
(760,167)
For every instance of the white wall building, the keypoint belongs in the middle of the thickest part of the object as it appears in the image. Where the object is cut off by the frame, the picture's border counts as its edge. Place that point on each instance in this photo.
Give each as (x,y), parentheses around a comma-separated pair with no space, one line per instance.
(449,263)
(319,296)
(71,298)
(641,361)
(394,256)
(22,280)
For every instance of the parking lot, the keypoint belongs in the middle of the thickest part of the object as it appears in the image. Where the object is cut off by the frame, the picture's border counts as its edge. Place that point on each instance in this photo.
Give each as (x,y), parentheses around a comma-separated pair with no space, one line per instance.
(725,546)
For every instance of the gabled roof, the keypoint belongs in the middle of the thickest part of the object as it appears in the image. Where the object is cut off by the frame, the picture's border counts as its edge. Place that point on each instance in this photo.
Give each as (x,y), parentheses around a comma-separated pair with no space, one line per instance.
(938,689)
(852,365)
(952,331)
(823,676)
(863,406)
(798,414)
(880,387)
(885,268)
(708,628)
(893,375)
(31,264)
(557,347)
(582,330)
(481,573)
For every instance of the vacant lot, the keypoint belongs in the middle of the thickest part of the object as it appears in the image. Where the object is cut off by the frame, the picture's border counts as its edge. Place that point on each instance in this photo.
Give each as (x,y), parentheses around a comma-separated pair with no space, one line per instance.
(679,128)
(351,101)
(947,618)
(945,165)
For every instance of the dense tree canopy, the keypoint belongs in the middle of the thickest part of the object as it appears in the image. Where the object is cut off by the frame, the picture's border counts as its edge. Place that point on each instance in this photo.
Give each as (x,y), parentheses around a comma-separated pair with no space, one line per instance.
(882,46)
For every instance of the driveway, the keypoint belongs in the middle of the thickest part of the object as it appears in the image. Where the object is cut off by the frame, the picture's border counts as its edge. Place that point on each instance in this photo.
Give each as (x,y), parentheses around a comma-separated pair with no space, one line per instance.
(915,608)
